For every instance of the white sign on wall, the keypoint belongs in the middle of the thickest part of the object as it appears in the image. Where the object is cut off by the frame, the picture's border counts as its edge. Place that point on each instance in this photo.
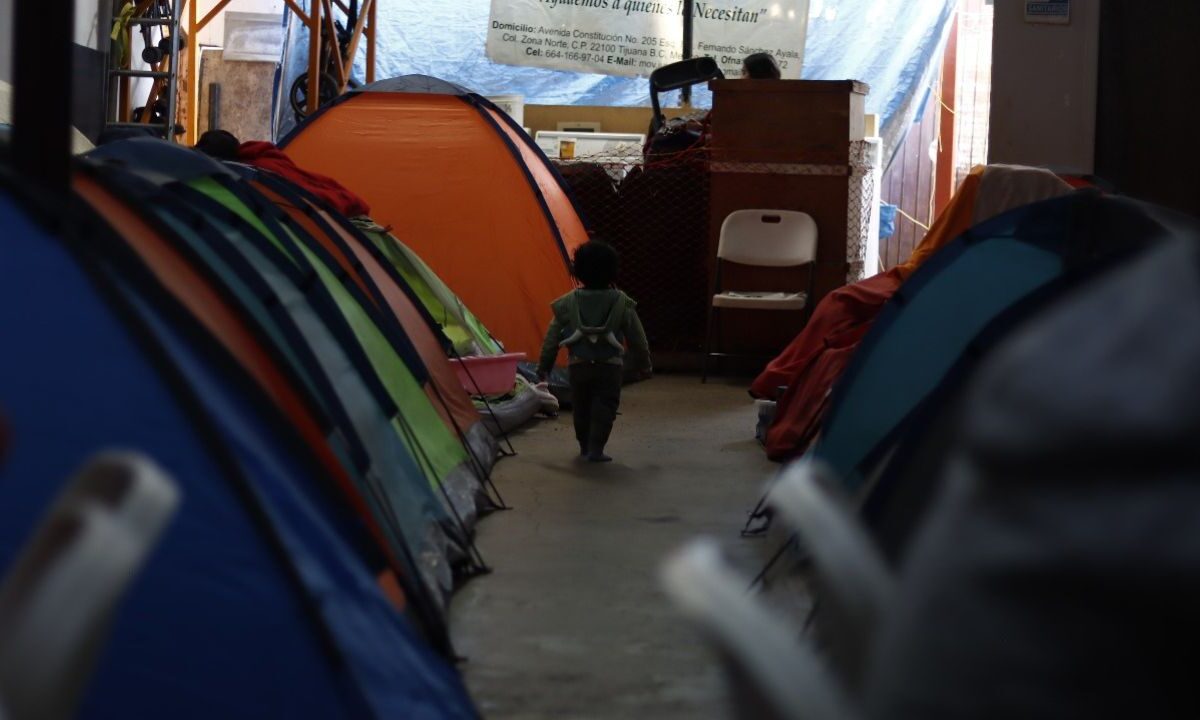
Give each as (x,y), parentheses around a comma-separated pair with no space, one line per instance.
(633,37)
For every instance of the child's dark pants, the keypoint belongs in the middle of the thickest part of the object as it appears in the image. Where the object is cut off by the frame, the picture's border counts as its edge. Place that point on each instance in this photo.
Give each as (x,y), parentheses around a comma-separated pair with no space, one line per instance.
(595,395)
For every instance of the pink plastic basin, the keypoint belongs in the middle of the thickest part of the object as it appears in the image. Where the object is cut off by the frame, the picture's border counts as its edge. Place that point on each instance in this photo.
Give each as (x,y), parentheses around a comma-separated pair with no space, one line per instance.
(488,374)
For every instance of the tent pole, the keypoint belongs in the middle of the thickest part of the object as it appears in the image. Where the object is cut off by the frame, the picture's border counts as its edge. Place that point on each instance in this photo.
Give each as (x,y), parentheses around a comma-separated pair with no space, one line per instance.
(43,35)
(511,452)
(759,511)
(685,93)
(485,476)
(481,566)
(761,578)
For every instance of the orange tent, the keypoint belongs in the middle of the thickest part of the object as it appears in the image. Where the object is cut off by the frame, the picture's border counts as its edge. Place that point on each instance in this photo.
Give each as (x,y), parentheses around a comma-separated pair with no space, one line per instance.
(463,186)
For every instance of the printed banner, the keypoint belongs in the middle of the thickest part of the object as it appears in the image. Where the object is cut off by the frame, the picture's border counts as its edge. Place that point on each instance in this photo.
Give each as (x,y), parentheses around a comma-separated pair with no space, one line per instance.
(633,37)
(729,32)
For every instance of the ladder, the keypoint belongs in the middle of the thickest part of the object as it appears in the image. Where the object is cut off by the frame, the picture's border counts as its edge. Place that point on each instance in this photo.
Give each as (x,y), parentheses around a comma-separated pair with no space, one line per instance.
(163,59)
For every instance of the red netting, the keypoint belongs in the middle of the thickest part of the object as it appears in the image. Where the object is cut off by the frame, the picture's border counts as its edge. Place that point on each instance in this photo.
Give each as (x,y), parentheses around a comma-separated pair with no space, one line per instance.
(654,211)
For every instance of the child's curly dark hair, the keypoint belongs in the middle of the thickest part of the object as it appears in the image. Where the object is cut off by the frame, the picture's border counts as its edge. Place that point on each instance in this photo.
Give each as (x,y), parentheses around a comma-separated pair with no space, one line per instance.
(595,265)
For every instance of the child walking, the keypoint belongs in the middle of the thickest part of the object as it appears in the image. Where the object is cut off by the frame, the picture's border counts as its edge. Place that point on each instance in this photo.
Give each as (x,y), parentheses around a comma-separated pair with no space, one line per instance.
(593,323)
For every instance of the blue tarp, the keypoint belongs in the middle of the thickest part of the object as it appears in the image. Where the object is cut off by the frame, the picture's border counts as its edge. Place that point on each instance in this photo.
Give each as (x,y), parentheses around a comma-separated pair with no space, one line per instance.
(889,44)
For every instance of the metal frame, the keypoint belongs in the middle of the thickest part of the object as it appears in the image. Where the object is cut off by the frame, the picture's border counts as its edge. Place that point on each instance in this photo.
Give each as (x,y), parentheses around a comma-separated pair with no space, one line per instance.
(857,589)
(321,17)
(166,71)
(322,13)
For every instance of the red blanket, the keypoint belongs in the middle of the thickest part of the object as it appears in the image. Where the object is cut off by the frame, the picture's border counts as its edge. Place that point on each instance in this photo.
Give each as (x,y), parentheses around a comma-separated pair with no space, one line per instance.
(813,362)
(815,359)
(843,309)
(268,157)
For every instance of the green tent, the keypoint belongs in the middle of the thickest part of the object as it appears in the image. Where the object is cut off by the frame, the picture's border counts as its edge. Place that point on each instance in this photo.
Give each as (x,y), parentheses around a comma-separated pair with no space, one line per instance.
(441,456)
(464,332)
(414,473)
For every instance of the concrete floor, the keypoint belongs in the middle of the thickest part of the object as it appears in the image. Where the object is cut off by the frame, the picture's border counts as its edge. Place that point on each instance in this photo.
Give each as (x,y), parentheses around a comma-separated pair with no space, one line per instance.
(572,623)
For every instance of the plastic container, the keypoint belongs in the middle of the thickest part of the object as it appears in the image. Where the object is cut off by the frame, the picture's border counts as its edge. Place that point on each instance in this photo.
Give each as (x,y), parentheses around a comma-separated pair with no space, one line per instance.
(488,374)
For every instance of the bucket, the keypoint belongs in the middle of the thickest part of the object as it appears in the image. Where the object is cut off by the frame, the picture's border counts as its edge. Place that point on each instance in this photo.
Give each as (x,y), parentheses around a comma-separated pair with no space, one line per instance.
(488,374)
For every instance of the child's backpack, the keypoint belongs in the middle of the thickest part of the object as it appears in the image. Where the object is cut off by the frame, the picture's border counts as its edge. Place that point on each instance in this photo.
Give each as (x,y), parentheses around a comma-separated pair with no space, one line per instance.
(596,343)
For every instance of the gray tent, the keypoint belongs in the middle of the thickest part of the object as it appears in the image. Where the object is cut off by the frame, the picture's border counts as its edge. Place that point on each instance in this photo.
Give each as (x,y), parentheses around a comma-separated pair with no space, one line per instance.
(1059,571)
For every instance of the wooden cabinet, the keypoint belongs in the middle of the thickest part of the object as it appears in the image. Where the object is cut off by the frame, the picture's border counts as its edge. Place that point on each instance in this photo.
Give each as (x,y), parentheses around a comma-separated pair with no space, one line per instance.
(783,145)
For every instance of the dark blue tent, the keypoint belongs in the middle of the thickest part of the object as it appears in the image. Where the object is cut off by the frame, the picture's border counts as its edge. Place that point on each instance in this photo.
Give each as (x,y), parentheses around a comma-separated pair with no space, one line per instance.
(260,266)
(257,603)
(955,307)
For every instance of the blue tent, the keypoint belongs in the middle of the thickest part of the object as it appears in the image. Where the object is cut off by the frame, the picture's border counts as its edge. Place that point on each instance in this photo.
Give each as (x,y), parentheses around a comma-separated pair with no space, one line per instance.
(258,602)
(256,264)
(957,304)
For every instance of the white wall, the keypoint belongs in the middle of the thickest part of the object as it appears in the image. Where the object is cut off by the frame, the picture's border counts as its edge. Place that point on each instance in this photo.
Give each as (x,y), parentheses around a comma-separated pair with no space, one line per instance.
(1044,88)
(214,32)
(87,34)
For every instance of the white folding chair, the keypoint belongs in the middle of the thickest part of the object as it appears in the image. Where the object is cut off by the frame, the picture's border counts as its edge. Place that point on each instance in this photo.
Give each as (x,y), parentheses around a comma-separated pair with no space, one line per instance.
(57,600)
(761,238)
(773,674)
(856,588)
